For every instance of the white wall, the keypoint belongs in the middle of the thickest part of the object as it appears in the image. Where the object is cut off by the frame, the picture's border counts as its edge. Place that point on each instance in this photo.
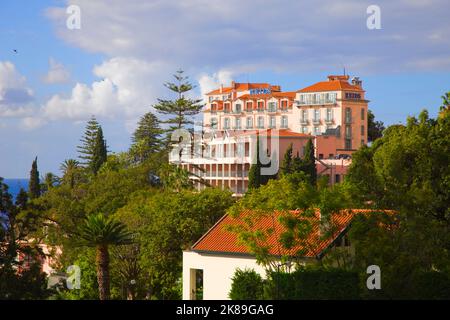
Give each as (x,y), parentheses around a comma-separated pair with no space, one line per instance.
(217,273)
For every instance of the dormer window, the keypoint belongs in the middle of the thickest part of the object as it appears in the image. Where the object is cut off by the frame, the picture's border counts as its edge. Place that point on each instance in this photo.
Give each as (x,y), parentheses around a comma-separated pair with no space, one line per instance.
(260,106)
(214,107)
(238,107)
(249,106)
(227,107)
(284,105)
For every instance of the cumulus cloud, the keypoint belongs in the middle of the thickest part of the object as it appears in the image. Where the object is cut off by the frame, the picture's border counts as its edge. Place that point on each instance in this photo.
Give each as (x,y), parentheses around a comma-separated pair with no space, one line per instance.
(57,73)
(15,96)
(127,88)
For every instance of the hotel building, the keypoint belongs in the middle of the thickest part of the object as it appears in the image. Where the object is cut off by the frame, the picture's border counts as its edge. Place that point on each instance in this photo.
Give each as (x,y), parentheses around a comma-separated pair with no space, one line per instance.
(333,113)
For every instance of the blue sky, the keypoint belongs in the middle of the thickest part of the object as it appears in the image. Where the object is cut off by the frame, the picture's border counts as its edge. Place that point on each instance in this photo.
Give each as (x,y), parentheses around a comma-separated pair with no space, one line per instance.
(114,66)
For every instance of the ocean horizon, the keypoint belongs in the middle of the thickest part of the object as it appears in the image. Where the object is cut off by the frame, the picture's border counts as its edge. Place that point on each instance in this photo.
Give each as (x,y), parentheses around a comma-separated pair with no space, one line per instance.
(15,185)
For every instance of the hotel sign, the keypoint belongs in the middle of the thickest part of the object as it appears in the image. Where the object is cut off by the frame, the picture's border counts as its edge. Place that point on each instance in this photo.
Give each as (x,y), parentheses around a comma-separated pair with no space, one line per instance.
(260,91)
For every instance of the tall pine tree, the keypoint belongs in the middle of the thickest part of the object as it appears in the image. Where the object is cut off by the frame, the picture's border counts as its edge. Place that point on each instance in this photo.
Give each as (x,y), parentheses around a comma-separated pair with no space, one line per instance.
(182,108)
(86,149)
(100,153)
(34,186)
(146,138)
(93,150)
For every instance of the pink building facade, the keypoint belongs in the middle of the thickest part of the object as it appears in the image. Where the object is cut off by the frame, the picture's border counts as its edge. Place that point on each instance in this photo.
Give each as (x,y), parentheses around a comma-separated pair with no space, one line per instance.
(333,113)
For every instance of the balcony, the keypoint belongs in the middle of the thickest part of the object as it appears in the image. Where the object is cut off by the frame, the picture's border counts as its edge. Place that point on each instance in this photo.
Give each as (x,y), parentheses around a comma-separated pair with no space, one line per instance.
(304,121)
(316,121)
(329,120)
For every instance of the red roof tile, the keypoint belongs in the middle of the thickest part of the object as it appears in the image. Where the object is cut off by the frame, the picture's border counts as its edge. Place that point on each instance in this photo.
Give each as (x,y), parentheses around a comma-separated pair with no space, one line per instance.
(244,87)
(218,239)
(331,85)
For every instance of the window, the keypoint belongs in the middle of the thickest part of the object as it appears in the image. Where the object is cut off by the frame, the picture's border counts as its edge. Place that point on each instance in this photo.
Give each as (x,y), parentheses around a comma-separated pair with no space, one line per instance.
(284,122)
(316,130)
(249,122)
(316,115)
(329,115)
(362,130)
(353,96)
(211,99)
(362,142)
(214,123)
(305,130)
(363,114)
(249,106)
(320,155)
(348,144)
(272,106)
(238,123)
(219,150)
(273,123)
(260,122)
(348,115)
(330,156)
(302,99)
(348,132)
(227,107)
(304,116)
(284,105)
(260,106)
(238,107)
(214,108)
(240,149)
(226,123)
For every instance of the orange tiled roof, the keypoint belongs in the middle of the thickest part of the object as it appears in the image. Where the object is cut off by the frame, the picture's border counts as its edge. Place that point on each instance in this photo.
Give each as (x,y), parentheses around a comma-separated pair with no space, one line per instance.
(331,85)
(218,239)
(244,87)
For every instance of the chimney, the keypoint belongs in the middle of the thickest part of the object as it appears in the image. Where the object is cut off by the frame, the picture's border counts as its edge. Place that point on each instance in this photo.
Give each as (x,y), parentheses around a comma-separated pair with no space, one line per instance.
(221,88)
(357,82)
(233,84)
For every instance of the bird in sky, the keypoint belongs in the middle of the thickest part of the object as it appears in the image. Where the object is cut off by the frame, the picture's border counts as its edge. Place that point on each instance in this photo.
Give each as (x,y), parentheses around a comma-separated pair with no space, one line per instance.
(15,50)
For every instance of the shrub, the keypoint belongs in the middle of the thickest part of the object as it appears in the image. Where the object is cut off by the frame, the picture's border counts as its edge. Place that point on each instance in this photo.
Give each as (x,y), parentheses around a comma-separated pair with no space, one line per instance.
(246,285)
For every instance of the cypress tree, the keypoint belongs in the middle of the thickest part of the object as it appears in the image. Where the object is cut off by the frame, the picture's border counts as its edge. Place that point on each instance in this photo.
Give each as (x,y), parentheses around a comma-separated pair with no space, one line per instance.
(254,175)
(286,167)
(309,162)
(34,186)
(100,152)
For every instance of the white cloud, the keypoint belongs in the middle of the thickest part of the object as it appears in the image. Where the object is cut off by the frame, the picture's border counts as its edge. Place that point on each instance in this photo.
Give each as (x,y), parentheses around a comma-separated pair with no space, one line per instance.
(210,82)
(15,96)
(126,90)
(57,73)
(282,35)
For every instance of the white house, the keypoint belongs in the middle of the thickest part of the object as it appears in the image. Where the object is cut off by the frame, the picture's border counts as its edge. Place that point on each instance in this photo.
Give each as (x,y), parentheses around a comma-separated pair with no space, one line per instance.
(214,258)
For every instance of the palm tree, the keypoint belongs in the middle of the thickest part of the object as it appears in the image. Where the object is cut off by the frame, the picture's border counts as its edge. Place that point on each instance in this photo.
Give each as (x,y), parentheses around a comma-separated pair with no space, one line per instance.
(70,169)
(101,232)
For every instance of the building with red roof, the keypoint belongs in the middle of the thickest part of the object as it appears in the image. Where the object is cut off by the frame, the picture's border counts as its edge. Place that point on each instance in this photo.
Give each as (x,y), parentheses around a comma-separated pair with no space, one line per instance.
(218,253)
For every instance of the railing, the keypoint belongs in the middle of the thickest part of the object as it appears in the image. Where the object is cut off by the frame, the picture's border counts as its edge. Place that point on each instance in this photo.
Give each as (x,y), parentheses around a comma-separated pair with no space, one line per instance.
(304,121)
(316,121)
(329,120)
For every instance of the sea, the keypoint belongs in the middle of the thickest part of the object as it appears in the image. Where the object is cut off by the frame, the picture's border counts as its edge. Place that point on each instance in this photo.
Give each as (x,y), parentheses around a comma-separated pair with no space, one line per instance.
(15,185)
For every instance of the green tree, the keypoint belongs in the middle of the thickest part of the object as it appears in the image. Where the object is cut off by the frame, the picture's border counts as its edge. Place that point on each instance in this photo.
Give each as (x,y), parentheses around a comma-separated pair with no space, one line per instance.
(50,180)
(254,175)
(286,167)
(71,170)
(181,108)
(99,155)
(146,138)
(34,186)
(309,162)
(101,232)
(375,128)
(93,150)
